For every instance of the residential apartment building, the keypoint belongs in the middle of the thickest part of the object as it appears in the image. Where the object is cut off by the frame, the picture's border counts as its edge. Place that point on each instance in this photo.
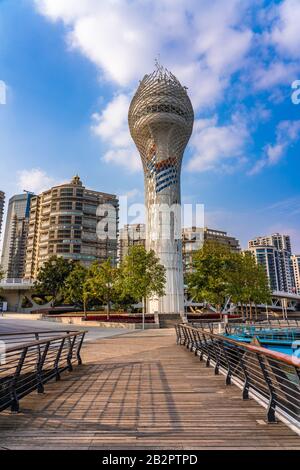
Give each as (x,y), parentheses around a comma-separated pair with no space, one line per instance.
(194,237)
(192,240)
(73,222)
(130,235)
(223,238)
(15,236)
(274,253)
(296,268)
(2,200)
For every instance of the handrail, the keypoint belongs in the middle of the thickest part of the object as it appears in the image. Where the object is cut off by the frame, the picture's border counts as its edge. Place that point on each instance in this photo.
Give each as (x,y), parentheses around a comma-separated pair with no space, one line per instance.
(39,342)
(28,366)
(25,333)
(290,360)
(271,377)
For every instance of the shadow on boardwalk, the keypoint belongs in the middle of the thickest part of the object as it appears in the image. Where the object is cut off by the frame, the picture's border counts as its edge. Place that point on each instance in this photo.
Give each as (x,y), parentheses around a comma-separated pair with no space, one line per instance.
(141,391)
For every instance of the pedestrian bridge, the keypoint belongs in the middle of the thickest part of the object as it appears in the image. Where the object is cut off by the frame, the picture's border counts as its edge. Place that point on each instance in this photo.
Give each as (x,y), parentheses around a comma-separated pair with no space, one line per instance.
(14,291)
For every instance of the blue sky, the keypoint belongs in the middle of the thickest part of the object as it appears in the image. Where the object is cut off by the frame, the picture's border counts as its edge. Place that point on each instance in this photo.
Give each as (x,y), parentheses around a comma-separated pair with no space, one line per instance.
(71,68)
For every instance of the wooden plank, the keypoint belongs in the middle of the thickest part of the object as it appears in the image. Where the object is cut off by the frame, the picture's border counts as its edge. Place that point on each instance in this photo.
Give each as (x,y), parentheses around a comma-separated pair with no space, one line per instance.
(141,391)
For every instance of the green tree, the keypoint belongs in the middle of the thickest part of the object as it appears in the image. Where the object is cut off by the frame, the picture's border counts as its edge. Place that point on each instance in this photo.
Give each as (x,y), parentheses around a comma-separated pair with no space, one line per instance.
(52,276)
(141,275)
(73,288)
(254,285)
(209,279)
(218,275)
(101,284)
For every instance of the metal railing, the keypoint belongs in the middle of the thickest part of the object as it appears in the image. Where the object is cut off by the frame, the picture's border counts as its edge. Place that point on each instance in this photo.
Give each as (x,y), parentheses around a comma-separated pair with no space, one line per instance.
(270,377)
(18,281)
(27,365)
(264,332)
(231,326)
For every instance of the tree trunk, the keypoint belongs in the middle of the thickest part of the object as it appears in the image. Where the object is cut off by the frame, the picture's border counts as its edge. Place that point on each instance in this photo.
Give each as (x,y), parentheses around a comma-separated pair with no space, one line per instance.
(219,310)
(84,309)
(250,307)
(108,309)
(144,311)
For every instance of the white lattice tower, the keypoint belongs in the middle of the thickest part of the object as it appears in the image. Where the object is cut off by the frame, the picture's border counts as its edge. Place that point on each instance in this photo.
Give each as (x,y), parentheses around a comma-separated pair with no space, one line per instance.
(161,121)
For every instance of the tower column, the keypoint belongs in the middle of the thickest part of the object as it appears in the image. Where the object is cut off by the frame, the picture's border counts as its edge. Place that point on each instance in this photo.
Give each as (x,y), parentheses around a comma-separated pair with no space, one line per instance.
(161,121)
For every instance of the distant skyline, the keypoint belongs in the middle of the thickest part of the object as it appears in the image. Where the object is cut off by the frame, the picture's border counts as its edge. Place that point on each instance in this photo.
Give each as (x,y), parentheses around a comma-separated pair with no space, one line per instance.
(71,67)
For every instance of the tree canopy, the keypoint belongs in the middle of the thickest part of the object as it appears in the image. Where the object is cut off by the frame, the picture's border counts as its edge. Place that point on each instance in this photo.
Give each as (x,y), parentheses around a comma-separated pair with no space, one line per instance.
(52,276)
(219,275)
(141,275)
(73,288)
(101,283)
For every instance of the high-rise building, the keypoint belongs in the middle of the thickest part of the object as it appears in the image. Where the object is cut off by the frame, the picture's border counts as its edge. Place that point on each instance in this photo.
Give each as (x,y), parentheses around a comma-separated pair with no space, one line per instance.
(281,242)
(194,237)
(2,200)
(296,268)
(161,121)
(223,238)
(274,253)
(73,222)
(15,236)
(130,235)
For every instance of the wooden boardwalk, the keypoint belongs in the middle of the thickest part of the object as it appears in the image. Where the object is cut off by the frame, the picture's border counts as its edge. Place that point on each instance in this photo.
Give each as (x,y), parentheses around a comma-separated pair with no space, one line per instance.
(141,391)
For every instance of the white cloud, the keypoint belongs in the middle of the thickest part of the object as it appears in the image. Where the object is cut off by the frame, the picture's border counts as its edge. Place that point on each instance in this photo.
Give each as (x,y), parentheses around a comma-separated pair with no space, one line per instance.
(112,126)
(206,43)
(276,73)
(201,40)
(217,147)
(132,193)
(35,180)
(124,157)
(286,32)
(287,133)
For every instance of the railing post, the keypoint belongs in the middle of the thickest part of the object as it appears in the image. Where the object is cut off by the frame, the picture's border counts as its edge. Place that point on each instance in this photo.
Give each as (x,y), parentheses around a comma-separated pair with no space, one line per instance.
(207,349)
(201,346)
(192,339)
(189,342)
(246,375)
(182,335)
(272,403)
(56,363)
(40,364)
(177,333)
(79,349)
(183,328)
(229,372)
(217,365)
(195,341)
(13,392)
(70,353)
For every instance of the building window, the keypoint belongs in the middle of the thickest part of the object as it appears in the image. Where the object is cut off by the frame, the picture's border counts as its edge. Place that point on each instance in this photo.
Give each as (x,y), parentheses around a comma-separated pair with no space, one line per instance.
(77,233)
(63,249)
(66,205)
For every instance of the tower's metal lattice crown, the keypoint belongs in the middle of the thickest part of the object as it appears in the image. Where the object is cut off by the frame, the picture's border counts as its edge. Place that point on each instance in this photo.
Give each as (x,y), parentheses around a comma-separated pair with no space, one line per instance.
(161,111)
